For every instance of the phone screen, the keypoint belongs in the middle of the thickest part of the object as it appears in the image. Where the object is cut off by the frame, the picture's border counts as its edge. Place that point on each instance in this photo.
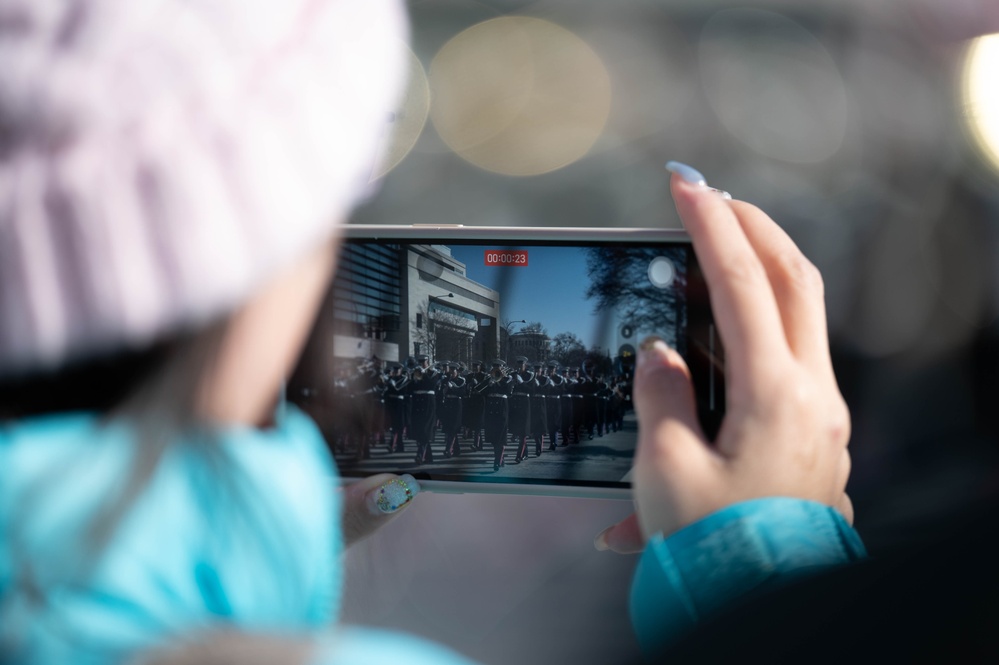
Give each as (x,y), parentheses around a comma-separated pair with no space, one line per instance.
(500,361)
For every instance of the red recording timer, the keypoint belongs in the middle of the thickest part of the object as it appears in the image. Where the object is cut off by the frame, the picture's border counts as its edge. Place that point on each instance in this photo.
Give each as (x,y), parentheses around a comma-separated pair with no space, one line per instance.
(506,257)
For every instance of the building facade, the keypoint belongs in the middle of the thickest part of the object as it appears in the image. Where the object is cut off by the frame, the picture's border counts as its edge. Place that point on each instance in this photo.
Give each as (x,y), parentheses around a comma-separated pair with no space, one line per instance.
(396,301)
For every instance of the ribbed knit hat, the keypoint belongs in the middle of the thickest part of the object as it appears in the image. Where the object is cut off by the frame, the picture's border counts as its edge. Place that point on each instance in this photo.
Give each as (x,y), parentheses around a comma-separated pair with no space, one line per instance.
(160,159)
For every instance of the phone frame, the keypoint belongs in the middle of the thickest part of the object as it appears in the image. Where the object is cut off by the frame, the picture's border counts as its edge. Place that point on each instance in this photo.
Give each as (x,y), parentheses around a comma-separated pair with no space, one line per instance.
(527,235)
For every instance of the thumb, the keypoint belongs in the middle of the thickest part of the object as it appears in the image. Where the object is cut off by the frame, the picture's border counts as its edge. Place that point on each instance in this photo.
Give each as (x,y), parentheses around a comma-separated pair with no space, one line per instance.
(373,502)
(664,402)
(672,450)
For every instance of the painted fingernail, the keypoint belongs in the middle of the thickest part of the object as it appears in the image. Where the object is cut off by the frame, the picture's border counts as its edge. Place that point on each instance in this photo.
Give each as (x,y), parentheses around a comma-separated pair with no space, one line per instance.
(688,173)
(722,193)
(396,493)
(600,542)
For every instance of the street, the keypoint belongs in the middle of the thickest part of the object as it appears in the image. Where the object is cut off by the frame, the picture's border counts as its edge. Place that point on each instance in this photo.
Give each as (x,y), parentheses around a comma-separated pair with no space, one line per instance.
(604,458)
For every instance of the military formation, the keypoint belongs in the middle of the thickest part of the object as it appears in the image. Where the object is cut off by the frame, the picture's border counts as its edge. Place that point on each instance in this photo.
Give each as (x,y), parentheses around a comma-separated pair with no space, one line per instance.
(434,411)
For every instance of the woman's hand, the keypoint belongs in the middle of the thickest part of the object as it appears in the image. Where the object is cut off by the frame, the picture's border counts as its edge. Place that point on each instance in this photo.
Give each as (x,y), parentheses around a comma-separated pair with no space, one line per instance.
(786,428)
(373,502)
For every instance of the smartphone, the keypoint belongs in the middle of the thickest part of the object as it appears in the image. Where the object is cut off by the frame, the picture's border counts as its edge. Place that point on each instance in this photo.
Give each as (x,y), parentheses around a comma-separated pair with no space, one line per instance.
(501,360)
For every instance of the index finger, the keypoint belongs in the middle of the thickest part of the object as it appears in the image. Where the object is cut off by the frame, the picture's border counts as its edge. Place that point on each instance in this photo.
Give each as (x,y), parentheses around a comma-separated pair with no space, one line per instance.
(742,299)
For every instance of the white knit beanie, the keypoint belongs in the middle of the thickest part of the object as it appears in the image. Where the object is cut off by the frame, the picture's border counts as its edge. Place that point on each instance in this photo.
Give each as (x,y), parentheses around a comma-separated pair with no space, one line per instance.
(160,159)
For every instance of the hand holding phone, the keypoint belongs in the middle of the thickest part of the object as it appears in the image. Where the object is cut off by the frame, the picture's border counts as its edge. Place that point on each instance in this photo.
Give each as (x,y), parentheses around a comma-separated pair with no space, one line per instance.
(786,428)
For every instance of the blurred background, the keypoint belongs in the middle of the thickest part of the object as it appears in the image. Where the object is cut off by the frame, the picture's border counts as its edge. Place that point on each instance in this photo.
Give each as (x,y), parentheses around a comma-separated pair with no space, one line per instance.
(868,130)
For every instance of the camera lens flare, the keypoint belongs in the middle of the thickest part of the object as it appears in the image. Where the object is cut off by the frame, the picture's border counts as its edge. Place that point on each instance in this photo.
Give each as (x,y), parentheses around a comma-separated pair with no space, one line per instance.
(773,85)
(981,96)
(519,96)
(409,119)
(661,272)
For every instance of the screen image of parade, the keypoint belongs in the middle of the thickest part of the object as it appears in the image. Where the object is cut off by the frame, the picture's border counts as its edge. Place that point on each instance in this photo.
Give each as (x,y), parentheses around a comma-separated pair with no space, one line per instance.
(490,363)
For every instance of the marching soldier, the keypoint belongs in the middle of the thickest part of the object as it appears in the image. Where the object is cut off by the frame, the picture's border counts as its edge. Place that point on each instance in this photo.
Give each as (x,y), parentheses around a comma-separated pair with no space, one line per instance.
(423,393)
(366,395)
(473,408)
(603,394)
(520,406)
(496,390)
(553,399)
(578,405)
(567,405)
(538,389)
(395,405)
(588,389)
(454,389)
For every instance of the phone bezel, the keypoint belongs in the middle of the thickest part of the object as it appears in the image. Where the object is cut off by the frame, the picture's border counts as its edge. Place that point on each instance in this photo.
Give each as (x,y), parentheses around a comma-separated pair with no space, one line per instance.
(485,234)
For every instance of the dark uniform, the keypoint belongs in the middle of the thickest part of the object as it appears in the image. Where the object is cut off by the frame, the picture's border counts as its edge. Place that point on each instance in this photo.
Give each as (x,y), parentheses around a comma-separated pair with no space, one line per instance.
(538,388)
(588,389)
(454,389)
(423,388)
(568,388)
(520,407)
(578,405)
(395,406)
(604,395)
(366,394)
(553,406)
(496,390)
(473,408)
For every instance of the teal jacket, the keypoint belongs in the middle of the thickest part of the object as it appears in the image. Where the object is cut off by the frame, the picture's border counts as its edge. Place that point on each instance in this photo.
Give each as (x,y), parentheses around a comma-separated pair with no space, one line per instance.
(240,528)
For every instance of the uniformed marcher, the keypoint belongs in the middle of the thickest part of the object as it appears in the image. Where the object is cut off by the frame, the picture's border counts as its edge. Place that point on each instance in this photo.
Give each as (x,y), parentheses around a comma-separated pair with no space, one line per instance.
(588,389)
(553,399)
(454,388)
(538,388)
(520,406)
(395,406)
(473,408)
(567,405)
(423,387)
(578,405)
(496,390)
(603,394)
(366,397)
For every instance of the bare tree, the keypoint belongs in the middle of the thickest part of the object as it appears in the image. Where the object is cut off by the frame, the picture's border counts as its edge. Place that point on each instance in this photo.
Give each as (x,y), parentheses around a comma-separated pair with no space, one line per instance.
(620,282)
(535,327)
(568,350)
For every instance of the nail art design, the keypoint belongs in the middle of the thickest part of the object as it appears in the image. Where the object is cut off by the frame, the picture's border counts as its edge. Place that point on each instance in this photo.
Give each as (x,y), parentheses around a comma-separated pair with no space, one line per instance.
(688,173)
(395,494)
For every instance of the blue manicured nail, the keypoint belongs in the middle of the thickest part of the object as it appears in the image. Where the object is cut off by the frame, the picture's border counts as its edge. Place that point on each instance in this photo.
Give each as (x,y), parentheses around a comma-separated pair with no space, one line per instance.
(688,173)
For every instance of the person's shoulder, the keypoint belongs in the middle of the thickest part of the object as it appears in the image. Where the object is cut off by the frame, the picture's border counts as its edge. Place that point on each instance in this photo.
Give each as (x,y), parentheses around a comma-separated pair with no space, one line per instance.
(34,450)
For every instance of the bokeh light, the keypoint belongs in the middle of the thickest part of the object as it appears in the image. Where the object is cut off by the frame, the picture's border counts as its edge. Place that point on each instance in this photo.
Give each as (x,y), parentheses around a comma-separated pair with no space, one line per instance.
(409,119)
(773,85)
(652,82)
(519,96)
(981,96)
